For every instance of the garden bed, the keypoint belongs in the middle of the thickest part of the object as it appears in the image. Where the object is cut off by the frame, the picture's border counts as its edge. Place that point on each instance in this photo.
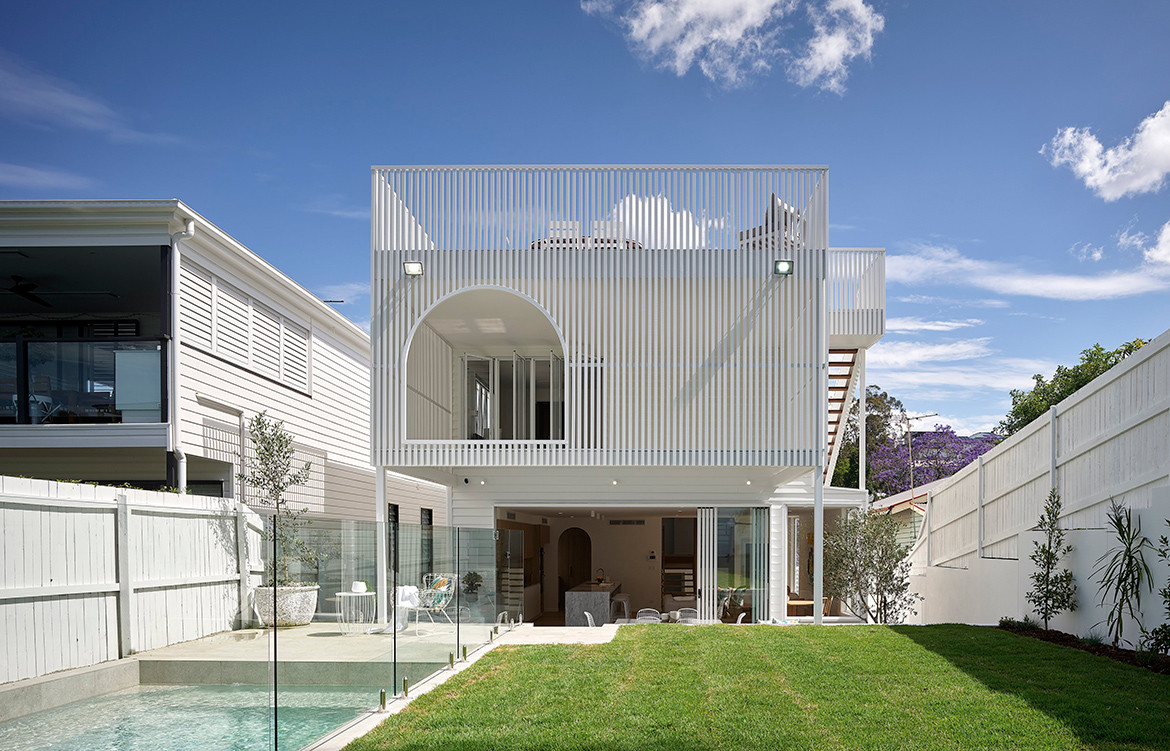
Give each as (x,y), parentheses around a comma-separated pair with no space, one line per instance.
(1148,660)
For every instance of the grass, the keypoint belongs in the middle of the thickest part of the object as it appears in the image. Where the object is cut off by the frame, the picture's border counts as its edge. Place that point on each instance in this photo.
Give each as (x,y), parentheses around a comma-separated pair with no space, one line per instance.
(799,687)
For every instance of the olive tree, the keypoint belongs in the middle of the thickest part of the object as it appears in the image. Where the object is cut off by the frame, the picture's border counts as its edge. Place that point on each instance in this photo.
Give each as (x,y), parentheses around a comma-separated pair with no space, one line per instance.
(867,568)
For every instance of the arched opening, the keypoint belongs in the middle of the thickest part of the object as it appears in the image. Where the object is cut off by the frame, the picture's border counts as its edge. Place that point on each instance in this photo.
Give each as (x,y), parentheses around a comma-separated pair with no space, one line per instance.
(574,561)
(485,364)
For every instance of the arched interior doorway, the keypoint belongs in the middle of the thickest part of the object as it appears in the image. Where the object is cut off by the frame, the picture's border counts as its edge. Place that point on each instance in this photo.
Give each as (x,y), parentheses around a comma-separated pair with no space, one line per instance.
(574,561)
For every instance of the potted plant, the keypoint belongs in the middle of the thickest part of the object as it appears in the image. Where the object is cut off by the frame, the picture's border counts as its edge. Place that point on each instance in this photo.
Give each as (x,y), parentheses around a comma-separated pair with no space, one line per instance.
(281,601)
(471,584)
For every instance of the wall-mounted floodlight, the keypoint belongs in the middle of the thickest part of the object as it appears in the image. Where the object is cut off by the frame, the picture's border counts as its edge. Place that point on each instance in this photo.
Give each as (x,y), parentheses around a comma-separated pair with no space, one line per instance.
(412,268)
(781,268)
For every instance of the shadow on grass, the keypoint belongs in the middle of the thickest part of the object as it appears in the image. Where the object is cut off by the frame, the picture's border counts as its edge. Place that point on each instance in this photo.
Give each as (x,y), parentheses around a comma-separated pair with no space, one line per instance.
(1107,704)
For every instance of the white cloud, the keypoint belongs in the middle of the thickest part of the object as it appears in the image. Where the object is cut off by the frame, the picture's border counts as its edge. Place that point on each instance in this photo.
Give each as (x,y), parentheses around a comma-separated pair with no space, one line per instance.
(928,264)
(45,100)
(350,292)
(1139,164)
(911,324)
(730,40)
(653,222)
(968,425)
(980,375)
(845,29)
(17,176)
(363,214)
(886,354)
(1084,251)
(952,302)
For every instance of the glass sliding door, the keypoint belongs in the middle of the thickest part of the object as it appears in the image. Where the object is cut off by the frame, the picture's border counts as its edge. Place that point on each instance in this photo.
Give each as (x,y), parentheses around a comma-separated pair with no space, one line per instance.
(521,397)
(741,564)
(478,397)
(556,397)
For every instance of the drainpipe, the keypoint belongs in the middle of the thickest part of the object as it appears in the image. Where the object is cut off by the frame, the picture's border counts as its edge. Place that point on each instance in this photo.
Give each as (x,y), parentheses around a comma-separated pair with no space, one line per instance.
(173,437)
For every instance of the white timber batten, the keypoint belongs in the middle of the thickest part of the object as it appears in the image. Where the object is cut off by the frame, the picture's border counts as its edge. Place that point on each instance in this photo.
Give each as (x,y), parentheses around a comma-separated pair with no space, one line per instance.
(681,346)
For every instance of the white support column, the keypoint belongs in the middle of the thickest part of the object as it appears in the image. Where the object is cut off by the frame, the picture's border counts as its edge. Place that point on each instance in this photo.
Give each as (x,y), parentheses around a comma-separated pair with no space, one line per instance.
(779,554)
(380,555)
(861,415)
(818,545)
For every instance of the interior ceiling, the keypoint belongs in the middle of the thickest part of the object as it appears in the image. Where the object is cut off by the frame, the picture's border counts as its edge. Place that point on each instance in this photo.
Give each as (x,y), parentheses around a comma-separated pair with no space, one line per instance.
(488,319)
(113,280)
(606,512)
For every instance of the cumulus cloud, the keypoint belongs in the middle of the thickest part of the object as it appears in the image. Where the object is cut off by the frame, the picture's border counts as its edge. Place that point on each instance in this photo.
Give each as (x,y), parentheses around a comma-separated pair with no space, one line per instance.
(928,264)
(844,30)
(1155,252)
(41,99)
(912,324)
(1139,164)
(652,221)
(18,176)
(730,40)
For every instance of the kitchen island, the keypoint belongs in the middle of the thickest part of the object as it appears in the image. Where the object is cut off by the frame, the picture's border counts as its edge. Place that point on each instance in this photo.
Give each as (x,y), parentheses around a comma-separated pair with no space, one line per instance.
(590,597)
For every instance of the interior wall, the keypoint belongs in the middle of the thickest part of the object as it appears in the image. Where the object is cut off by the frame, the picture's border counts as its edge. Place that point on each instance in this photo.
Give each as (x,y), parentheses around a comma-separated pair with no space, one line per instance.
(623,551)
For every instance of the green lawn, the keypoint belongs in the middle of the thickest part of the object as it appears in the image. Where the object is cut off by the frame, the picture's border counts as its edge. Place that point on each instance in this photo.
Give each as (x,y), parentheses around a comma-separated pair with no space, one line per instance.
(736,688)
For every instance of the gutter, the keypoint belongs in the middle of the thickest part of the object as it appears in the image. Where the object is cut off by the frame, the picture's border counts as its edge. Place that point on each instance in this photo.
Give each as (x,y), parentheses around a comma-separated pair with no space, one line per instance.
(173,437)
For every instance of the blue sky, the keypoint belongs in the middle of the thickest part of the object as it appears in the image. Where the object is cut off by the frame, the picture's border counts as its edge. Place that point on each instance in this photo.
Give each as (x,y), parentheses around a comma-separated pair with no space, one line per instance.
(1011,157)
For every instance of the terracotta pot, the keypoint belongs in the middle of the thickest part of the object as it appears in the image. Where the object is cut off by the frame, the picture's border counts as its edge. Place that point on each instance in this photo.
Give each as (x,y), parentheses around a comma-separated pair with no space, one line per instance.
(294,605)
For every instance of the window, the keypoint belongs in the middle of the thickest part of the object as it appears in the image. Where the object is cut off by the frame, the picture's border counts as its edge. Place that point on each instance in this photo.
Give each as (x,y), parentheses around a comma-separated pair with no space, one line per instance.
(514,398)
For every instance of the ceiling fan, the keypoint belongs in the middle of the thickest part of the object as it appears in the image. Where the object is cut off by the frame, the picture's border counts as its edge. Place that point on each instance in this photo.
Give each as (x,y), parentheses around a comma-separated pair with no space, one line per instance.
(22,287)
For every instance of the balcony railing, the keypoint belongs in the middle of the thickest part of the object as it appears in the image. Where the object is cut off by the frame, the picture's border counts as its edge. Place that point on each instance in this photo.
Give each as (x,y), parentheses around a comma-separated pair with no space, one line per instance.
(855,281)
(78,381)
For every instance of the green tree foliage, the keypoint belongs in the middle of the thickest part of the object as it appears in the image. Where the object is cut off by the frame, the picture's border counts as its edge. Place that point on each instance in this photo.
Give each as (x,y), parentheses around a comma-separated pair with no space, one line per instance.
(272,474)
(1123,571)
(883,423)
(867,568)
(1158,640)
(1053,589)
(1029,405)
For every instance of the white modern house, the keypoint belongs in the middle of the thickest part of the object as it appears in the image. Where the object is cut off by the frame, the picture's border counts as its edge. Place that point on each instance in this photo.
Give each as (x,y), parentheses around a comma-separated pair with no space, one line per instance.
(633,373)
(136,340)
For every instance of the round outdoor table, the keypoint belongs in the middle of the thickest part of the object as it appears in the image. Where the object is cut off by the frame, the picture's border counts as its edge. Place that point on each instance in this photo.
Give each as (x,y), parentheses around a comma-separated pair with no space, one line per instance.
(357,609)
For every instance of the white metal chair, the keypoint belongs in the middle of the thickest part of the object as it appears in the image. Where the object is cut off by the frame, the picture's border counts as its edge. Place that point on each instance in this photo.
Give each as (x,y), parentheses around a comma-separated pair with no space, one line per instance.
(688,615)
(589,620)
(433,598)
(648,615)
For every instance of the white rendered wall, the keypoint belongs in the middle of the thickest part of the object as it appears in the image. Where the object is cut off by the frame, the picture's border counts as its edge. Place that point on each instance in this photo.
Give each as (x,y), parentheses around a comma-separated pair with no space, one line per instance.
(1108,441)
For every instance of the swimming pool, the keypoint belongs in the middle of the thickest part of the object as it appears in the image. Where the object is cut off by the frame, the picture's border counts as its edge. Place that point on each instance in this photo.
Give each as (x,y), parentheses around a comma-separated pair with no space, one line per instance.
(186,718)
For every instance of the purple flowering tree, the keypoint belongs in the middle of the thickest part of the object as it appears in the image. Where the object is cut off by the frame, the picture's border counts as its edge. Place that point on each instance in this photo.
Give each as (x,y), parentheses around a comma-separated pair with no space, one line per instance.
(937,454)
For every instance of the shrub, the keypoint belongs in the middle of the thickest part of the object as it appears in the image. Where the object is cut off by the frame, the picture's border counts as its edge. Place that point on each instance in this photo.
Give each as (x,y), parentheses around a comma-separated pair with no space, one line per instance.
(866,567)
(1093,639)
(1123,571)
(1053,590)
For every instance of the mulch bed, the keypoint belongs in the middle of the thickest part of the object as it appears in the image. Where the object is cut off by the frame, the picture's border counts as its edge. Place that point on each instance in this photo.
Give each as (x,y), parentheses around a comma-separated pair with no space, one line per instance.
(1157,663)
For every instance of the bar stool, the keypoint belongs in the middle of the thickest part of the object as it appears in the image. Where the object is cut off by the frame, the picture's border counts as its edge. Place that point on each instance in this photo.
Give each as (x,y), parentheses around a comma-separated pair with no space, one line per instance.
(624,601)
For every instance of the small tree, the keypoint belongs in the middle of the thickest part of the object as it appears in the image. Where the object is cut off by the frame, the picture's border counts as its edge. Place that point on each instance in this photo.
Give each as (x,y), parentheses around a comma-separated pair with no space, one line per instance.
(865,566)
(1053,590)
(272,474)
(1123,570)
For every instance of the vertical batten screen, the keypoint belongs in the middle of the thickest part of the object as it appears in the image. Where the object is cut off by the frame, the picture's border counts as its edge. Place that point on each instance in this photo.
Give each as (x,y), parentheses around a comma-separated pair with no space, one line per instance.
(680,345)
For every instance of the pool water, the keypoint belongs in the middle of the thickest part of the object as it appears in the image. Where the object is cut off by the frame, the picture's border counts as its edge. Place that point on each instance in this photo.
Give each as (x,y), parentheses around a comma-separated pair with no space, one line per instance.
(186,718)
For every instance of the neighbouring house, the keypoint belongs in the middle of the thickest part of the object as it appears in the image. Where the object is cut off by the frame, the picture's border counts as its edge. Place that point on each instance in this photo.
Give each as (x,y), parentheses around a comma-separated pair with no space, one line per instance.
(908,509)
(137,339)
(634,374)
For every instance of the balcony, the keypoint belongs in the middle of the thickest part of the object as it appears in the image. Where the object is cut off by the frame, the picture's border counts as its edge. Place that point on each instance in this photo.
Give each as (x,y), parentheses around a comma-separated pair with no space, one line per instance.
(81,381)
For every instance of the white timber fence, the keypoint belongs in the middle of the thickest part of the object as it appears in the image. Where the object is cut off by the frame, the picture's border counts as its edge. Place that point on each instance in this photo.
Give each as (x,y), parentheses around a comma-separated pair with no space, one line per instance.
(93,573)
(1110,441)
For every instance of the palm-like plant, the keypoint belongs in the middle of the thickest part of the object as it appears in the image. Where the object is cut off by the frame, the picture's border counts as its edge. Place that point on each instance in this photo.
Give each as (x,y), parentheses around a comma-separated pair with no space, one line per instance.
(1123,570)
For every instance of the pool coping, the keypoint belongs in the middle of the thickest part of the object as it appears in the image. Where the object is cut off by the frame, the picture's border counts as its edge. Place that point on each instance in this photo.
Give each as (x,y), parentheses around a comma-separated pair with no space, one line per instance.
(53,690)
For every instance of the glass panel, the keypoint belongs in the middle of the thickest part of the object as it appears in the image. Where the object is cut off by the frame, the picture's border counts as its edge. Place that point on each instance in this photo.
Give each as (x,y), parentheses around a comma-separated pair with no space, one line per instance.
(521,394)
(8,390)
(94,382)
(557,398)
(510,570)
(741,540)
(428,588)
(477,380)
(477,586)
